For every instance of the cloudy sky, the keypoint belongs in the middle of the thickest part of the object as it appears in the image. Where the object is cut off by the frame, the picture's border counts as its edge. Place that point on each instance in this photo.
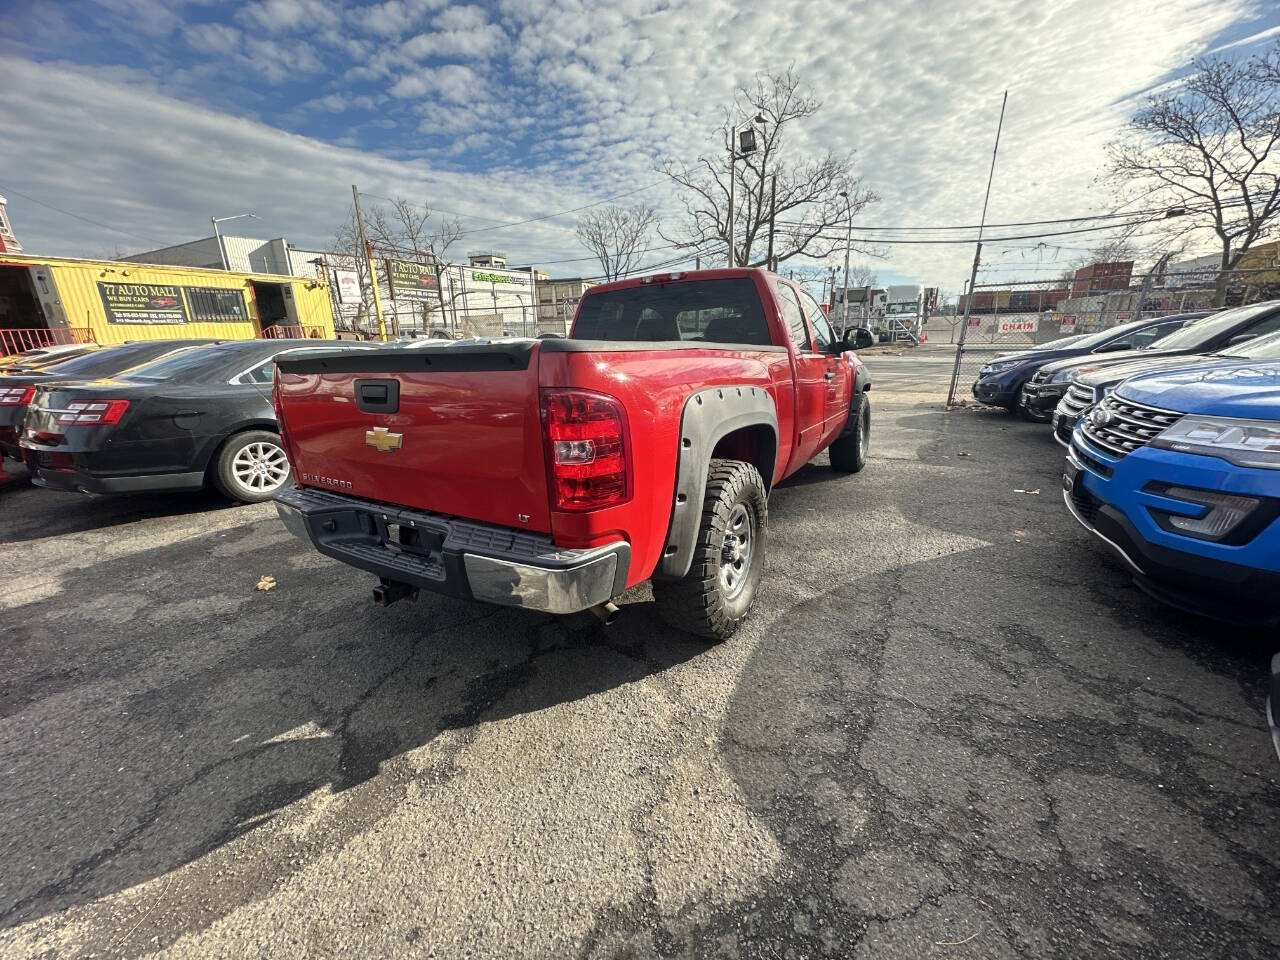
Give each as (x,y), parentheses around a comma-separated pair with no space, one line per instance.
(128,123)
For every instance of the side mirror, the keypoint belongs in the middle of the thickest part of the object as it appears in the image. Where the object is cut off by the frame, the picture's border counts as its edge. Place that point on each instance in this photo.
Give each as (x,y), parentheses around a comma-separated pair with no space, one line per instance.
(856,338)
(1240,339)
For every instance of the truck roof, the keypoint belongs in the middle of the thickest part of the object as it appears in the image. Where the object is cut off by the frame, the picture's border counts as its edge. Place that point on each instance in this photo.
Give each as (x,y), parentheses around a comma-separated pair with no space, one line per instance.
(724,273)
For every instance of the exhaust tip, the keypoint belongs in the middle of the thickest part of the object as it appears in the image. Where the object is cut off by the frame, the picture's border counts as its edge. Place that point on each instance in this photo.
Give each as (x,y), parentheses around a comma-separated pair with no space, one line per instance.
(607,612)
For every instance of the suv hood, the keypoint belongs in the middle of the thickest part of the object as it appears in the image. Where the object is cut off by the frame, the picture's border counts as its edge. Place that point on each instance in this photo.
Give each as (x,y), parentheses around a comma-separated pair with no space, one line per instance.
(1111,374)
(1225,388)
(1108,359)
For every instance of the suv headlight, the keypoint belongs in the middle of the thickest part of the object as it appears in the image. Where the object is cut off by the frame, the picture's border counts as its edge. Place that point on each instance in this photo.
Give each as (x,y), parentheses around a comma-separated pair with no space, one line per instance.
(1000,366)
(1246,443)
(1063,376)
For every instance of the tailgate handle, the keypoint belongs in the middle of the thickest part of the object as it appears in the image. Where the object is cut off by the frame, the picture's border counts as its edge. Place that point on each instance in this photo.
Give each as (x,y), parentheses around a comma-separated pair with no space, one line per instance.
(378,396)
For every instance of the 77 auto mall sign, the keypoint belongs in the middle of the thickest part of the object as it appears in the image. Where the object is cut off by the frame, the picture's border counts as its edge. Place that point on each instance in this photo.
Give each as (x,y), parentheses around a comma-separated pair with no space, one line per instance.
(411,280)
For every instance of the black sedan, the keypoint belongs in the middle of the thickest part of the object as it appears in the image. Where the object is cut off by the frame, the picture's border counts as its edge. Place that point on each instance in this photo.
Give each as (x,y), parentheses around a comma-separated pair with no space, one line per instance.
(1000,382)
(16,390)
(201,416)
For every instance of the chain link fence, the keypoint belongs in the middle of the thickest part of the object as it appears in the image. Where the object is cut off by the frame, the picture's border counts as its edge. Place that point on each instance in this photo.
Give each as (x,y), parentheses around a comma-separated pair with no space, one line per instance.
(990,334)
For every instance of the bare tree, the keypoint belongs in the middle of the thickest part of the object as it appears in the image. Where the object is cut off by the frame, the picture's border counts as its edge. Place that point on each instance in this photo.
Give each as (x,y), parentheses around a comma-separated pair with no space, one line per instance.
(810,200)
(403,231)
(617,236)
(862,275)
(1205,150)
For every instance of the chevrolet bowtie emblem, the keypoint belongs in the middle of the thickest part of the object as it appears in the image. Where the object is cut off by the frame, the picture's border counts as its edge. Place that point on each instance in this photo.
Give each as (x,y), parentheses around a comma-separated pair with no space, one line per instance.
(382,440)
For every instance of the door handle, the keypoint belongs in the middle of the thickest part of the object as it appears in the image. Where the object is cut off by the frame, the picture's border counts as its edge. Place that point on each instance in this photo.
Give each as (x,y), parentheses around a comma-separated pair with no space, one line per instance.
(829,375)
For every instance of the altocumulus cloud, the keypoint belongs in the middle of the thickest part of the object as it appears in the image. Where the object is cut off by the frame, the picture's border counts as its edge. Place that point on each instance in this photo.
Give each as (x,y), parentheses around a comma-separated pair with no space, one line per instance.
(520,107)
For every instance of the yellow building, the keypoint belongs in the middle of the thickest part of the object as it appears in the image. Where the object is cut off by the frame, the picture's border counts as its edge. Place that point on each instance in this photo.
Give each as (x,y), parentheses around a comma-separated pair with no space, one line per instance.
(54,300)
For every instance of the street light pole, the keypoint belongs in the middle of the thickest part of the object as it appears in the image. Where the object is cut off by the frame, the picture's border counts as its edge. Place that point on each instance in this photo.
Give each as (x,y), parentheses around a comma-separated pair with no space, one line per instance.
(733,157)
(747,148)
(217,235)
(848,242)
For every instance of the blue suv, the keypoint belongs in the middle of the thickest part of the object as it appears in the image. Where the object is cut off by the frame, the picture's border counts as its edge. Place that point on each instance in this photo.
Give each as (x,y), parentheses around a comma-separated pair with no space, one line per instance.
(1179,473)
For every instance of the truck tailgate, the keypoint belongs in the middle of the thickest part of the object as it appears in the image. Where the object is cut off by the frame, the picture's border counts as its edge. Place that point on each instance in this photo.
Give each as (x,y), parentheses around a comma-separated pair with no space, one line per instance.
(463,437)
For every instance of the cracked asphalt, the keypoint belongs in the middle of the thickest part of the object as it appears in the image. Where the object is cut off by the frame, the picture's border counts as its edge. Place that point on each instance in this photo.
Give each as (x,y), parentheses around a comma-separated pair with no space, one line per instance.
(952,728)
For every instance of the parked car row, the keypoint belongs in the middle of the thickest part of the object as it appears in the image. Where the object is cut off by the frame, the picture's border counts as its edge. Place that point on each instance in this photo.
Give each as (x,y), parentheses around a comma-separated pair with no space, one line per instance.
(1172,430)
(157,415)
(1172,427)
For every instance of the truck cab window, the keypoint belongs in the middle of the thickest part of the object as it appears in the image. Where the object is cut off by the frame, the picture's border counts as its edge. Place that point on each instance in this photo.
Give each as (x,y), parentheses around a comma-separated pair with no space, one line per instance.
(707,311)
(823,335)
(793,316)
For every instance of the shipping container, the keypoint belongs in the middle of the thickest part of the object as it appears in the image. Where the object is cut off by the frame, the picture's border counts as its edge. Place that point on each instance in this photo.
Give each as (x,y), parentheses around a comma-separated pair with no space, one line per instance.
(57,300)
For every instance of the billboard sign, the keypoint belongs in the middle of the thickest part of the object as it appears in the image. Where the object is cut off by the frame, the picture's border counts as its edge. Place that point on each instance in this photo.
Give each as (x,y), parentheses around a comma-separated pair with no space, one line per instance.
(411,280)
(347,283)
(142,303)
(1068,324)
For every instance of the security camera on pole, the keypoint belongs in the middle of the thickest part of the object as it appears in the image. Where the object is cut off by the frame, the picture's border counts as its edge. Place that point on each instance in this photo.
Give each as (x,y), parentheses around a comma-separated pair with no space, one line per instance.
(742,142)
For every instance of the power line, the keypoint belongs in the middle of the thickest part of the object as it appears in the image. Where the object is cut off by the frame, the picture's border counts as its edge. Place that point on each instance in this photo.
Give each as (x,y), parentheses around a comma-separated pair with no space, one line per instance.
(966,240)
(96,223)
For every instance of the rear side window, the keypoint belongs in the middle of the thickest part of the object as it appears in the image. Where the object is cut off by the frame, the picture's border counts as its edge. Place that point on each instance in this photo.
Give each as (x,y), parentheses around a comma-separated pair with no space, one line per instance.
(705,311)
(177,364)
(793,317)
(260,374)
(1144,338)
(1269,325)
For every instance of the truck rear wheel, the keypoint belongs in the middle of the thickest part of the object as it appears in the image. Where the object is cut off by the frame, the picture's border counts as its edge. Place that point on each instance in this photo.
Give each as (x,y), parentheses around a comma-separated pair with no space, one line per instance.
(716,595)
(849,450)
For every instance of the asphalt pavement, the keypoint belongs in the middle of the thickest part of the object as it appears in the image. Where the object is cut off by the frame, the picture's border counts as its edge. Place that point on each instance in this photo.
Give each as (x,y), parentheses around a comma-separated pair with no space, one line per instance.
(952,728)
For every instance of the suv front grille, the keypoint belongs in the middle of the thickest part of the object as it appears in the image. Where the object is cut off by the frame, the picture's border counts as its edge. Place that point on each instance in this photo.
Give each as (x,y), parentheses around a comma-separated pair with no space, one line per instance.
(1126,425)
(1078,397)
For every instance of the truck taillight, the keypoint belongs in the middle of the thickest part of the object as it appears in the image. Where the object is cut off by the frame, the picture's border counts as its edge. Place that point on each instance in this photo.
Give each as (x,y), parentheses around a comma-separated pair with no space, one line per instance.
(93,412)
(16,396)
(586,438)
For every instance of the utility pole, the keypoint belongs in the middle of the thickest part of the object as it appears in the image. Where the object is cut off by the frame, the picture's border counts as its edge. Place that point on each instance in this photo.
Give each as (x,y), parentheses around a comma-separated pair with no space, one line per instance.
(977,257)
(773,211)
(373,273)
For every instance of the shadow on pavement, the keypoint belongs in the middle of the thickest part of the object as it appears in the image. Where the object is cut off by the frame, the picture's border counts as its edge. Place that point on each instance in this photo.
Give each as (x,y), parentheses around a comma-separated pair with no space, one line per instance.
(32,513)
(135,742)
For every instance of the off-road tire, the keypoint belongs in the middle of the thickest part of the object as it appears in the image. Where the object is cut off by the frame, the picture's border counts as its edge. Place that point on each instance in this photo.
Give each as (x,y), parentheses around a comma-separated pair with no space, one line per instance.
(699,602)
(222,471)
(849,450)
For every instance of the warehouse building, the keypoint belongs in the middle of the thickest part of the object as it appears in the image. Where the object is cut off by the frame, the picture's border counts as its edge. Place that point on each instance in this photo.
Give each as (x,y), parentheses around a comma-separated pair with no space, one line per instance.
(558,302)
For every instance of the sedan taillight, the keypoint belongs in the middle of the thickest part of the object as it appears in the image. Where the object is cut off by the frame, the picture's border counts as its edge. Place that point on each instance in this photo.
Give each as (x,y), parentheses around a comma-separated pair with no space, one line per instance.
(586,449)
(16,396)
(93,412)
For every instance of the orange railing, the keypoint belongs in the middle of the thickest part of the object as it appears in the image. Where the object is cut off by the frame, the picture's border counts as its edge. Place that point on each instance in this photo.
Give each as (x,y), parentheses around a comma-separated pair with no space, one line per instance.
(280,331)
(32,338)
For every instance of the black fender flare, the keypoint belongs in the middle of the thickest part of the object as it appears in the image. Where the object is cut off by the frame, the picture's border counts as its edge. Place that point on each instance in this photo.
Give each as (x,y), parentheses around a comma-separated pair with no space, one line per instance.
(861,384)
(708,416)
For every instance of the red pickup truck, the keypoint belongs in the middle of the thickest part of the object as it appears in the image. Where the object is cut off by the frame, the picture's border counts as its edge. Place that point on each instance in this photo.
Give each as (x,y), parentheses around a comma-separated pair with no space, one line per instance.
(556,473)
